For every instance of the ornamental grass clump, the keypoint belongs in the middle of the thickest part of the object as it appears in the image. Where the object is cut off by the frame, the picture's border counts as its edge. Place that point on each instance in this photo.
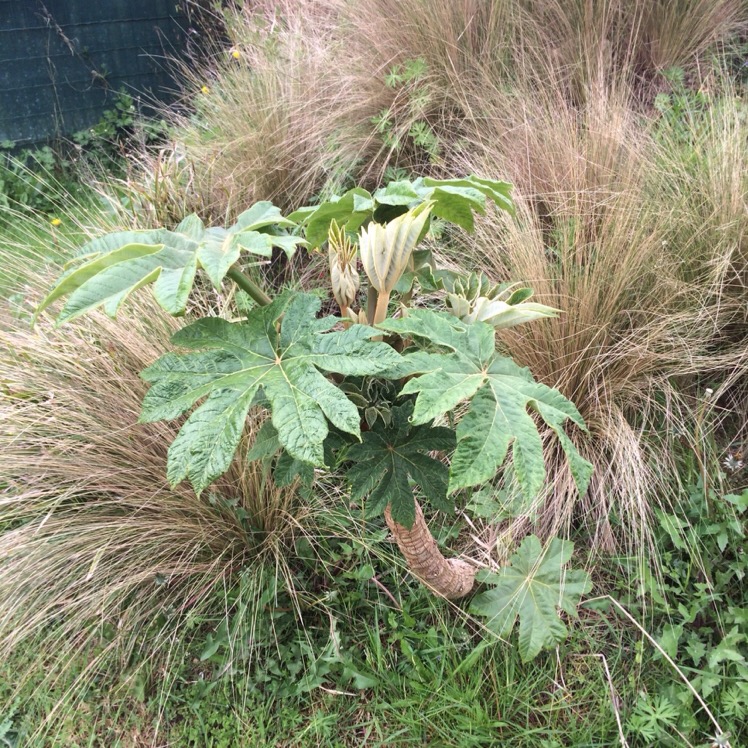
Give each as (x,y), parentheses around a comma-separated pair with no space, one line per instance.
(329,92)
(637,237)
(104,567)
(104,564)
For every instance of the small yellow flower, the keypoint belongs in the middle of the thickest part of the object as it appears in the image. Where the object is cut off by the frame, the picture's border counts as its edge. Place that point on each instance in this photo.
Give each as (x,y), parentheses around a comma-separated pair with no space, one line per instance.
(205,90)
(56,222)
(236,54)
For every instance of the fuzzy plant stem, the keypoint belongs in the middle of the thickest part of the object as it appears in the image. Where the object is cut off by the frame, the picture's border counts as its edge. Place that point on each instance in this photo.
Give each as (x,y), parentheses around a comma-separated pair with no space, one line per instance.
(371,304)
(249,286)
(448,577)
(380,310)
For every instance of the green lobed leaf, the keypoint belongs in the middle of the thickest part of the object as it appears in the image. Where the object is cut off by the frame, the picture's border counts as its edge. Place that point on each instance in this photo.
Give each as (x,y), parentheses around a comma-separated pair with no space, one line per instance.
(455,200)
(205,445)
(501,394)
(497,191)
(457,205)
(112,267)
(421,269)
(350,210)
(261,215)
(533,588)
(398,193)
(288,470)
(388,456)
(232,363)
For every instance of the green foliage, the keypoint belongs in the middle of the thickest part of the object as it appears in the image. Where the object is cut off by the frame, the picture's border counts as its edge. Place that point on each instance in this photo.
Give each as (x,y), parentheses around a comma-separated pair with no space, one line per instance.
(410,71)
(232,362)
(408,80)
(463,365)
(113,266)
(8,732)
(475,299)
(303,367)
(682,106)
(454,200)
(532,588)
(41,179)
(26,177)
(390,454)
(653,718)
(697,606)
(285,468)
(107,141)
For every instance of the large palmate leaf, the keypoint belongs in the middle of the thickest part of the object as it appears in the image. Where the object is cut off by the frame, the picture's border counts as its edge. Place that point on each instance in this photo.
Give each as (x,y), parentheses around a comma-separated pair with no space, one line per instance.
(454,200)
(533,588)
(232,363)
(388,455)
(111,267)
(351,210)
(467,367)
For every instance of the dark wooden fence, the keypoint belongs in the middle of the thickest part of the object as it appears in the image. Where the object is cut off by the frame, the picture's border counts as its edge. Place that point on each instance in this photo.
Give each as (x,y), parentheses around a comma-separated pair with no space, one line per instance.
(62,62)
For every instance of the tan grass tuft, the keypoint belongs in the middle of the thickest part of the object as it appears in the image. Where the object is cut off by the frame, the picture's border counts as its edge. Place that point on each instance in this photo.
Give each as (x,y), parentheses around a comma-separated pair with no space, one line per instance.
(594,237)
(101,562)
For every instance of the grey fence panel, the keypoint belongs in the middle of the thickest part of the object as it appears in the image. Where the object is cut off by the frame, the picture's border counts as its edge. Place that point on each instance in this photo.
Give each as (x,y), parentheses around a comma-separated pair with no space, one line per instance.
(62,62)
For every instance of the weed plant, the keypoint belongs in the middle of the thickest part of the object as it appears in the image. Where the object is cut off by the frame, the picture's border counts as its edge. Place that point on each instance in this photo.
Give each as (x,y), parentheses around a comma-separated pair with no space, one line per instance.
(44,178)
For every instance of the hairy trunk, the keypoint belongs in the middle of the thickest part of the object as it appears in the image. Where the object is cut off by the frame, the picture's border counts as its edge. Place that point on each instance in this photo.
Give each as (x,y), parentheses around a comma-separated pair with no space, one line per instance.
(449,577)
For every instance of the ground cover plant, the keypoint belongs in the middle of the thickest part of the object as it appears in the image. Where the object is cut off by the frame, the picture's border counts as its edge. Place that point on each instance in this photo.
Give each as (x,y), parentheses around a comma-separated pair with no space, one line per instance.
(270,608)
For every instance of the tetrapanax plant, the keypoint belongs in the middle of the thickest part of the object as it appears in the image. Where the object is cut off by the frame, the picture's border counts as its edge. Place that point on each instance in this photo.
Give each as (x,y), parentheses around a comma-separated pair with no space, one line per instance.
(370,392)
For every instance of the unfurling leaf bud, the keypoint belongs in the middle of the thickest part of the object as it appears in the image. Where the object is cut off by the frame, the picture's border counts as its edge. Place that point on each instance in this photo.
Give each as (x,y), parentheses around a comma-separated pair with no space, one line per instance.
(344,277)
(500,314)
(386,250)
(475,300)
(358,318)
